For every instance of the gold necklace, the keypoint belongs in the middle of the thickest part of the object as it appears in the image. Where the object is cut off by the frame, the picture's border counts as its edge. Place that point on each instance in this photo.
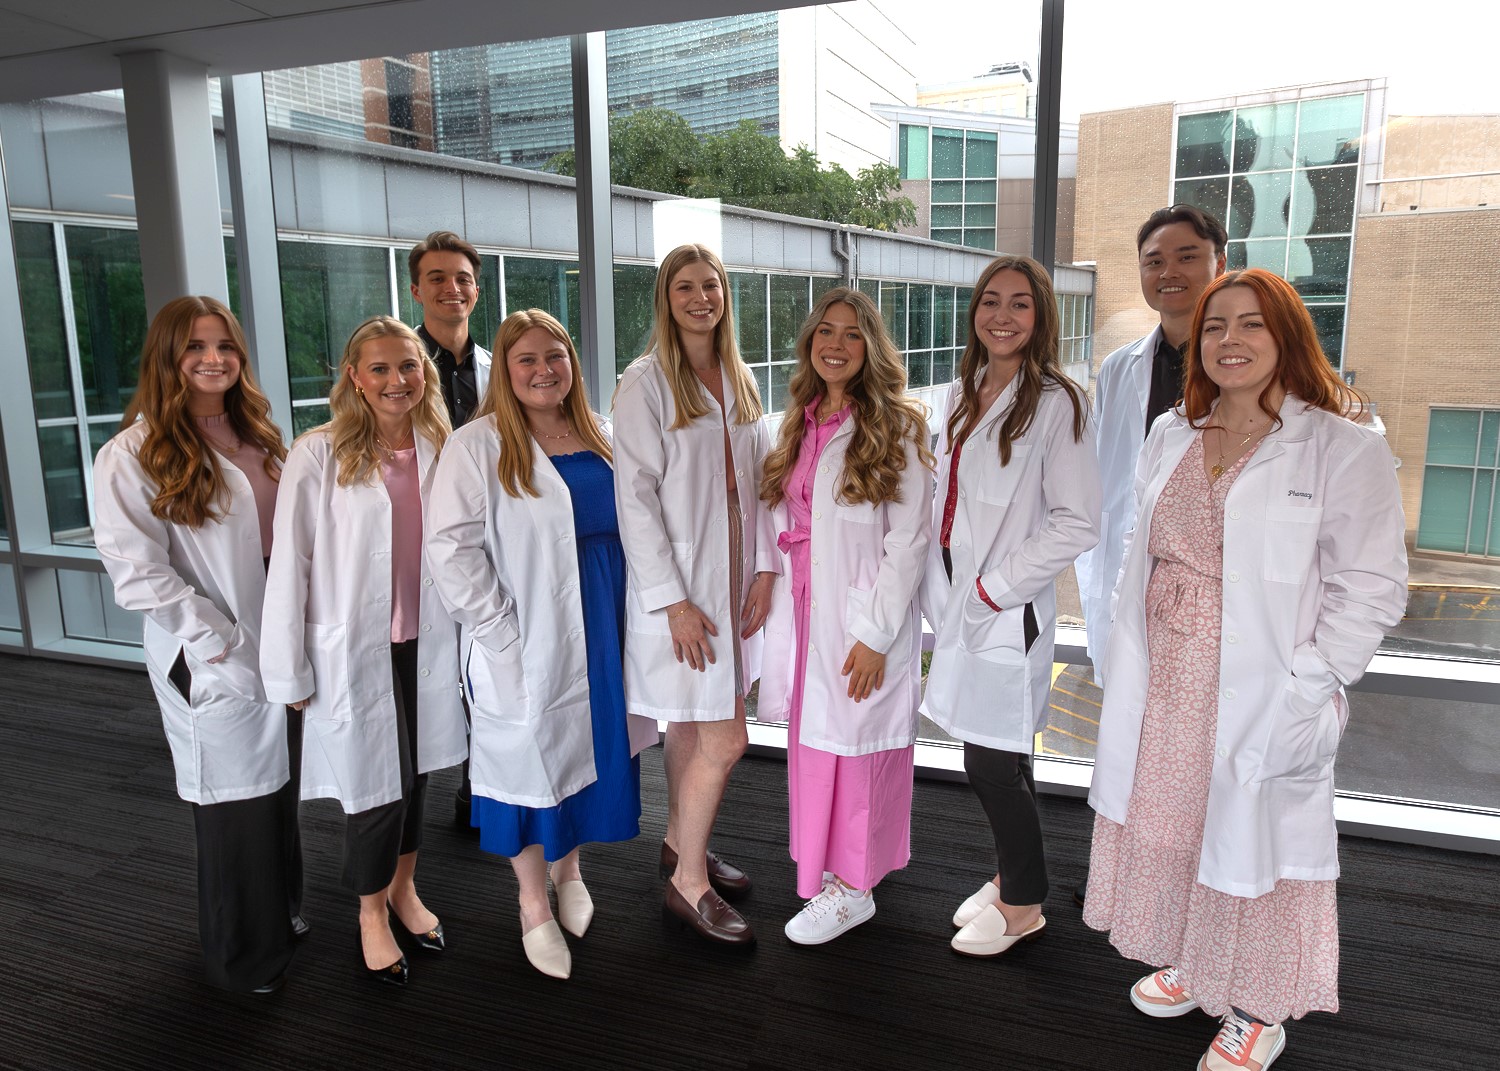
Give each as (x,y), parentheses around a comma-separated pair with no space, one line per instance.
(565,435)
(1217,470)
(407,442)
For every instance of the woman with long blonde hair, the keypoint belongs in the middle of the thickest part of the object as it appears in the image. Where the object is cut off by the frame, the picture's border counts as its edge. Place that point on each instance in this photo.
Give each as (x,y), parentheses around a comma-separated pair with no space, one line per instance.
(528,559)
(1018,500)
(850,481)
(184,497)
(357,637)
(689,443)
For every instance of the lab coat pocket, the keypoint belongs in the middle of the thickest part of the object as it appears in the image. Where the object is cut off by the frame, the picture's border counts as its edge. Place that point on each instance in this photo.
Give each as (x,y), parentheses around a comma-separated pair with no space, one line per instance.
(654,622)
(328,651)
(496,683)
(1291,542)
(998,483)
(1302,733)
(232,681)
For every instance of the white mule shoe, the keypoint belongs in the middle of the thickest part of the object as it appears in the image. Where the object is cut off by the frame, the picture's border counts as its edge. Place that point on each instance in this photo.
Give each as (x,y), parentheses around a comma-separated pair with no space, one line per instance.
(986,936)
(989,893)
(547,950)
(575,907)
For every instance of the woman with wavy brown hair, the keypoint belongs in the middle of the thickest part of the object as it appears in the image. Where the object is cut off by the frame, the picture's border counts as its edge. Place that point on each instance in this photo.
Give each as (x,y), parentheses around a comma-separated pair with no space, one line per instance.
(184,498)
(355,633)
(1018,500)
(850,481)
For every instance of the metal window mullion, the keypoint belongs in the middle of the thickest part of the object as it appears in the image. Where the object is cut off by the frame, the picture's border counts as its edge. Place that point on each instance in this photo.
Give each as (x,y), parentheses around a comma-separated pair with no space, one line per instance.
(390,278)
(504,298)
(75,365)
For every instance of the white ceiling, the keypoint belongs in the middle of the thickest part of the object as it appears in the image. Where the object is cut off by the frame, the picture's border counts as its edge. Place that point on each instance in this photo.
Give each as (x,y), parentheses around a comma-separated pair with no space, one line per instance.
(49,47)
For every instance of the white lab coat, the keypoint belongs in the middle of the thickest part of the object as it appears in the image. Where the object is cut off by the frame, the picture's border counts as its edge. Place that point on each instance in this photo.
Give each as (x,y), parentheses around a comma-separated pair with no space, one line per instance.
(1314,576)
(507,569)
(1017,526)
(867,564)
(1121,394)
(328,633)
(669,490)
(200,590)
(482,361)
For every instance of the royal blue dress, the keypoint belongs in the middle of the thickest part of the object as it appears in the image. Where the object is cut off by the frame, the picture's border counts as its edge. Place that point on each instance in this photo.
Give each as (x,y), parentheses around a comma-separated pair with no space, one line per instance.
(609,809)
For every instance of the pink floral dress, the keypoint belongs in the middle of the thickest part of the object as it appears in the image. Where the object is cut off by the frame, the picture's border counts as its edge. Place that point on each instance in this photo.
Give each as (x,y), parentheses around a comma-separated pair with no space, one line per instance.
(1275,956)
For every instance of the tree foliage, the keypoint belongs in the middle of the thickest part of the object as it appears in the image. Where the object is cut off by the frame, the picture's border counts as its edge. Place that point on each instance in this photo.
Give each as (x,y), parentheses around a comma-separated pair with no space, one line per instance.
(656,149)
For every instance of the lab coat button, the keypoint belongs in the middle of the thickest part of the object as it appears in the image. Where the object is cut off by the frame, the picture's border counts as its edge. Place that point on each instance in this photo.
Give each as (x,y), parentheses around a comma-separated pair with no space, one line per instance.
(1231,638)
(817,515)
(823,468)
(1228,693)
(427,582)
(1234,578)
(426,628)
(1234,515)
(427,673)
(1223,753)
(815,561)
(739,472)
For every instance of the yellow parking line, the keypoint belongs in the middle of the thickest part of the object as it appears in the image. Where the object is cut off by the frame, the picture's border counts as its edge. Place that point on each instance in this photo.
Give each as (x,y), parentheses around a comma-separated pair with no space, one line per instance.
(1043,750)
(1075,736)
(1075,695)
(1057,670)
(1072,714)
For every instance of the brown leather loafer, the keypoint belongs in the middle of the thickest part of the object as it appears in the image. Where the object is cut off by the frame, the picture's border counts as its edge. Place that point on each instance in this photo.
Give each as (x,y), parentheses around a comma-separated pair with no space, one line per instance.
(726,878)
(712,919)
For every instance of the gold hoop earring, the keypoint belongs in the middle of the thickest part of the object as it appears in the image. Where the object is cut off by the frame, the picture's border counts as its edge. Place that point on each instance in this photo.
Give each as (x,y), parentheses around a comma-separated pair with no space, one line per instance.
(360,391)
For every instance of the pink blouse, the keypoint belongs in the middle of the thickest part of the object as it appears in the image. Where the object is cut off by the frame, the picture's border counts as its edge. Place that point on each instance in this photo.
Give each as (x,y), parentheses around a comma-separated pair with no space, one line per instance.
(399,470)
(249,459)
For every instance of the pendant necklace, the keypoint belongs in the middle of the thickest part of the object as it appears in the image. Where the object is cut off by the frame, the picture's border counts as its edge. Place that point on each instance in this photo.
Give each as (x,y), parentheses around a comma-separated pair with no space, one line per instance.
(1217,470)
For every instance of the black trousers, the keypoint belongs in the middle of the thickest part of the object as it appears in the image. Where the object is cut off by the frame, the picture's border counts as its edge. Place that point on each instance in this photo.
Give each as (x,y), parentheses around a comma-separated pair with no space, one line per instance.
(375,839)
(250,879)
(1007,791)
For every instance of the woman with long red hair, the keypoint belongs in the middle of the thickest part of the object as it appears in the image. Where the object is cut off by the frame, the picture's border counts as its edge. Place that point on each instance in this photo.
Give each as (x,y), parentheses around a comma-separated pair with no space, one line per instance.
(1267,564)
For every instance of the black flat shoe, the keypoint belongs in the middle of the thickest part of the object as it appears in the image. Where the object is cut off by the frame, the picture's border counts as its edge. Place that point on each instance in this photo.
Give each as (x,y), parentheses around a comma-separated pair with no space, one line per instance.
(300,928)
(270,987)
(463,814)
(1080,891)
(396,974)
(727,879)
(431,940)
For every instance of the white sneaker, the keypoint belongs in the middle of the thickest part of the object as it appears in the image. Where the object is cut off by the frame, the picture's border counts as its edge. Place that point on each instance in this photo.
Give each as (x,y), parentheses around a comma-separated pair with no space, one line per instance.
(968,911)
(1244,1046)
(833,911)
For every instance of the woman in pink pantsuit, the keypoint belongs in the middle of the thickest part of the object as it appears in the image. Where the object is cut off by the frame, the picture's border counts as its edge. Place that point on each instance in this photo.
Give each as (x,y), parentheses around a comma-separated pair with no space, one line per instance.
(850,480)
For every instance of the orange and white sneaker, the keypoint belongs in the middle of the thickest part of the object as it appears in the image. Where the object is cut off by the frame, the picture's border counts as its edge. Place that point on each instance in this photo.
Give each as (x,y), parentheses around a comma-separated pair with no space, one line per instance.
(1243,1045)
(1161,995)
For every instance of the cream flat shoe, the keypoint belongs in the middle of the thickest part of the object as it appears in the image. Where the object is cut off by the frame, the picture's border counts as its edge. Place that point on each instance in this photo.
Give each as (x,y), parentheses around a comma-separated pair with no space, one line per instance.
(986,936)
(989,893)
(547,950)
(575,907)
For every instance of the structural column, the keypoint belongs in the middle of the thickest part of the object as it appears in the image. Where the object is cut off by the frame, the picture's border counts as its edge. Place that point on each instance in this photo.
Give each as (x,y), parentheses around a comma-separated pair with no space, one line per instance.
(175,177)
(596,277)
(1048,125)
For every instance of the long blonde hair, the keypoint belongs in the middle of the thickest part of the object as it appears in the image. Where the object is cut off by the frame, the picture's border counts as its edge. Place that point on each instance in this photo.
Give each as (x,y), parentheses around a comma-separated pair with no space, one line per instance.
(353,427)
(1039,370)
(688,394)
(516,443)
(190,487)
(885,416)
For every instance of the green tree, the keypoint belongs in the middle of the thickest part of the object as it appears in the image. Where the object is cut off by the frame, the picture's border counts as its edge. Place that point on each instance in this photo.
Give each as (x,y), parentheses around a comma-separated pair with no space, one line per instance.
(656,149)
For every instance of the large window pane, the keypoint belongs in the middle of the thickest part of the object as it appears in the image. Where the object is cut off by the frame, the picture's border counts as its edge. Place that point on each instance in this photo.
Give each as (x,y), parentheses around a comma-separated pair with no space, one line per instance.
(551,285)
(109,307)
(913,151)
(62,476)
(748,290)
(42,317)
(1265,138)
(789,307)
(634,295)
(947,153)
(327,290)
(1203,144)
(1330,130)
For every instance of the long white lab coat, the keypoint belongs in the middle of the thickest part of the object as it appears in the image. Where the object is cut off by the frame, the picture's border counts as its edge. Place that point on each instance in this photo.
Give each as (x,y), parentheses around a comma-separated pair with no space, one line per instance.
(328,633)
(867,563)
(669,490)
(1121,394)
(482,361)
(1017,526)
(200,590)
(507,570)
(1314,576)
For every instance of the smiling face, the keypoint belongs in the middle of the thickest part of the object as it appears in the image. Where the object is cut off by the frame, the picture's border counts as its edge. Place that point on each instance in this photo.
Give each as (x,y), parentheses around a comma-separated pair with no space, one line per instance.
(838,348)
(1006,317)
(1177,264)
(446,287)
(1237,350)
(389,371)
(541,375)
(210,365)
(696,297)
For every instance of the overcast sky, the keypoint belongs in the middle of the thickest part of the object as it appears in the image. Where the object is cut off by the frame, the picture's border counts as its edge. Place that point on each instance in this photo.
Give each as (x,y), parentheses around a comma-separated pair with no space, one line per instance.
(1438,55)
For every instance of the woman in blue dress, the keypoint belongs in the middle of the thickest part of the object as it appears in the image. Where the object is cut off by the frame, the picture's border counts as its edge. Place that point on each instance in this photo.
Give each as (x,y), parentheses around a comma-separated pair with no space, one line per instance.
(526,554)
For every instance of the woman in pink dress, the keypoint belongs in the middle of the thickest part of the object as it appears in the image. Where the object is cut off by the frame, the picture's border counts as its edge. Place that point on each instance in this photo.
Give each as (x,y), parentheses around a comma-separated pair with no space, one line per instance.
(850,480)
(1267,564)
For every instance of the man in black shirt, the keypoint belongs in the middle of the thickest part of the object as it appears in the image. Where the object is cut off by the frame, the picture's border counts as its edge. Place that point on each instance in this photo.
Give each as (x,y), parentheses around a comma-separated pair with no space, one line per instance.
(1181,249)
(445,282)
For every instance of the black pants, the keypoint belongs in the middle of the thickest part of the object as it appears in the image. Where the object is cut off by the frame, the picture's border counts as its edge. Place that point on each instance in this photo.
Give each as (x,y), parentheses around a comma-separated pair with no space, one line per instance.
(375,839)
(250,879)
(1003,782)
